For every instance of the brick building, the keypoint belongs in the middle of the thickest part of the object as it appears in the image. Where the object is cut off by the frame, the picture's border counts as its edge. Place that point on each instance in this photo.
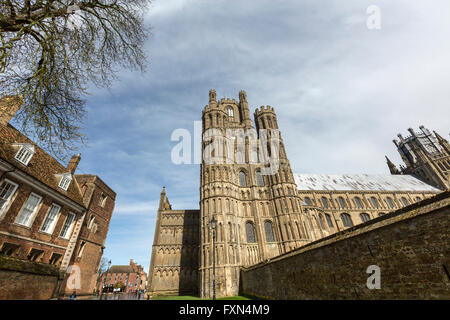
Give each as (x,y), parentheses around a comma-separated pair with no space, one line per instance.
(132,277)
(50,218)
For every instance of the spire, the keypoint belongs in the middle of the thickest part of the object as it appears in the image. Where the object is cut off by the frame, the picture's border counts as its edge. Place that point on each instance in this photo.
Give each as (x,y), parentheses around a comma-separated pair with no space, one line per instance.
(443,142)
(212,98)
(440,139)
(392,168)
(245,110)
(162,199)
(164,203)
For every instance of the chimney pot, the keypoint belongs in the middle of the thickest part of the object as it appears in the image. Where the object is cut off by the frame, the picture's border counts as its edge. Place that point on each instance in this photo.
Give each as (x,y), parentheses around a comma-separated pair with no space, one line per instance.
(73,163)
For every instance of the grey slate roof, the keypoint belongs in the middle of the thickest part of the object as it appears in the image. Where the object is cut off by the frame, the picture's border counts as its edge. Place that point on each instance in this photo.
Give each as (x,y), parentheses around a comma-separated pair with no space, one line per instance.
(361,182)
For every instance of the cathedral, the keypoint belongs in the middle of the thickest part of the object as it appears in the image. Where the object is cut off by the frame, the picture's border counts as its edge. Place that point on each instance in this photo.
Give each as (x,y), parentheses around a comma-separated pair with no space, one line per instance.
(250,212)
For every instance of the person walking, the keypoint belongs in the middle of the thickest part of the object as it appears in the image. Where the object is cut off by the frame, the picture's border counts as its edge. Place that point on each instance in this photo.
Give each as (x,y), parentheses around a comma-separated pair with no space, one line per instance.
(73,296)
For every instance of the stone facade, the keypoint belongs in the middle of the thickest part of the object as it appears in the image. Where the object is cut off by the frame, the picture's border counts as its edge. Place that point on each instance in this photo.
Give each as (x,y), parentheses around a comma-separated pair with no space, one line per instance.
(260,216)
(425,155)
(253,215)
(410,246)
(357,206)
(174,260)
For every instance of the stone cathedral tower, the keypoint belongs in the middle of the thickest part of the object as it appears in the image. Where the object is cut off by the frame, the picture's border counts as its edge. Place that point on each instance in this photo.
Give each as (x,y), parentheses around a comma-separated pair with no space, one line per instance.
(258,215)
(426,156)
(247,185)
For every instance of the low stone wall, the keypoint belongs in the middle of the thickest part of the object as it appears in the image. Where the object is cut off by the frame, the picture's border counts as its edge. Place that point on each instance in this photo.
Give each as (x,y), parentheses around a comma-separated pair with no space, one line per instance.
(411,247)
(25,280)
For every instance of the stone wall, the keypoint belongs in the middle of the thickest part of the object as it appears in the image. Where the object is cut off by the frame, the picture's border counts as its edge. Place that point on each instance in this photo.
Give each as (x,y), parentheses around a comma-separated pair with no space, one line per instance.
(174,262)
(410,246)
(25,280)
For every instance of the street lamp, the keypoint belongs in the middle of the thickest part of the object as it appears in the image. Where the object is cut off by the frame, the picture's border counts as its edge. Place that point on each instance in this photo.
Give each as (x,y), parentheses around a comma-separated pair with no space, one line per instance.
(104,280)
(213,226)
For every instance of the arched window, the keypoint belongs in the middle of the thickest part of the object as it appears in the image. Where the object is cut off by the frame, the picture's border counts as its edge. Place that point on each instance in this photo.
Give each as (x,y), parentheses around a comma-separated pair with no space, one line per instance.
(230,112)
(405,201)
(358,202)
(242,179)
(330,223)
(325,202)
(364,217)
(390,203)
(341,202)
(418,199)
(307,201)
(250,229)
(346,220)
(321,221)
(269,231)
(374,202)
(259,179)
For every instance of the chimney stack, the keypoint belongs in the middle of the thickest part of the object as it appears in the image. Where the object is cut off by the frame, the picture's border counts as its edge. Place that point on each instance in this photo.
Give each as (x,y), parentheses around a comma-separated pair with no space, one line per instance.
(73,163)
(9,105)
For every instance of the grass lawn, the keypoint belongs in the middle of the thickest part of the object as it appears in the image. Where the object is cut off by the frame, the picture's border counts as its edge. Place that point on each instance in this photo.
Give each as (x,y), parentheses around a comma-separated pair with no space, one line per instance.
(196,298)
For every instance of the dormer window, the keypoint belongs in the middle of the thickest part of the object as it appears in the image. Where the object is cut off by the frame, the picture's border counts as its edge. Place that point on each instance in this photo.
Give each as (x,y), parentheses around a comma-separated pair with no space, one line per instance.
(25,153)
(65,181)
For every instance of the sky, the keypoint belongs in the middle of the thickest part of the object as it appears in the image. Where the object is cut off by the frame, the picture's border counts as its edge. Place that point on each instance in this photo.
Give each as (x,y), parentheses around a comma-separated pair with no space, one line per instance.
(342,92)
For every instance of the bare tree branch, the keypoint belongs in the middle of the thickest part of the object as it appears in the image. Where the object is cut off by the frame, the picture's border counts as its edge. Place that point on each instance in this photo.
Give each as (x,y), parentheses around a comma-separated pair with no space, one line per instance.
(51,50)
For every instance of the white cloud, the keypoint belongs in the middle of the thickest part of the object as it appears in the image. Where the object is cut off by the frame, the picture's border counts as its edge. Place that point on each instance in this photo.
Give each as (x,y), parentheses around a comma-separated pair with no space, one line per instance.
(341,92)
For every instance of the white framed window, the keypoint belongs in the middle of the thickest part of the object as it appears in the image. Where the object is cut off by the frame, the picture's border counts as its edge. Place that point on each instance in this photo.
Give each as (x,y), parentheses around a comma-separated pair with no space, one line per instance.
(25,154)
(25,216)
(102,200)
(67,227)
(65,181)
(7,189)
(82,246)
(50,219)
(91,221)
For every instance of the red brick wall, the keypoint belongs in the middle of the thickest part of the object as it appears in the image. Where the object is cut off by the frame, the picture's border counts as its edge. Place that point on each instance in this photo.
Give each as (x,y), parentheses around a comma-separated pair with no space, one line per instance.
(92,189)
(9,228)
(27,280)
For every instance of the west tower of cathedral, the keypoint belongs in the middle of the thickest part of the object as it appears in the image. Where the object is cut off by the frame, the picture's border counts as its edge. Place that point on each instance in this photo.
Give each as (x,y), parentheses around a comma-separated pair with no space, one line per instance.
(258,216)
(263,209)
